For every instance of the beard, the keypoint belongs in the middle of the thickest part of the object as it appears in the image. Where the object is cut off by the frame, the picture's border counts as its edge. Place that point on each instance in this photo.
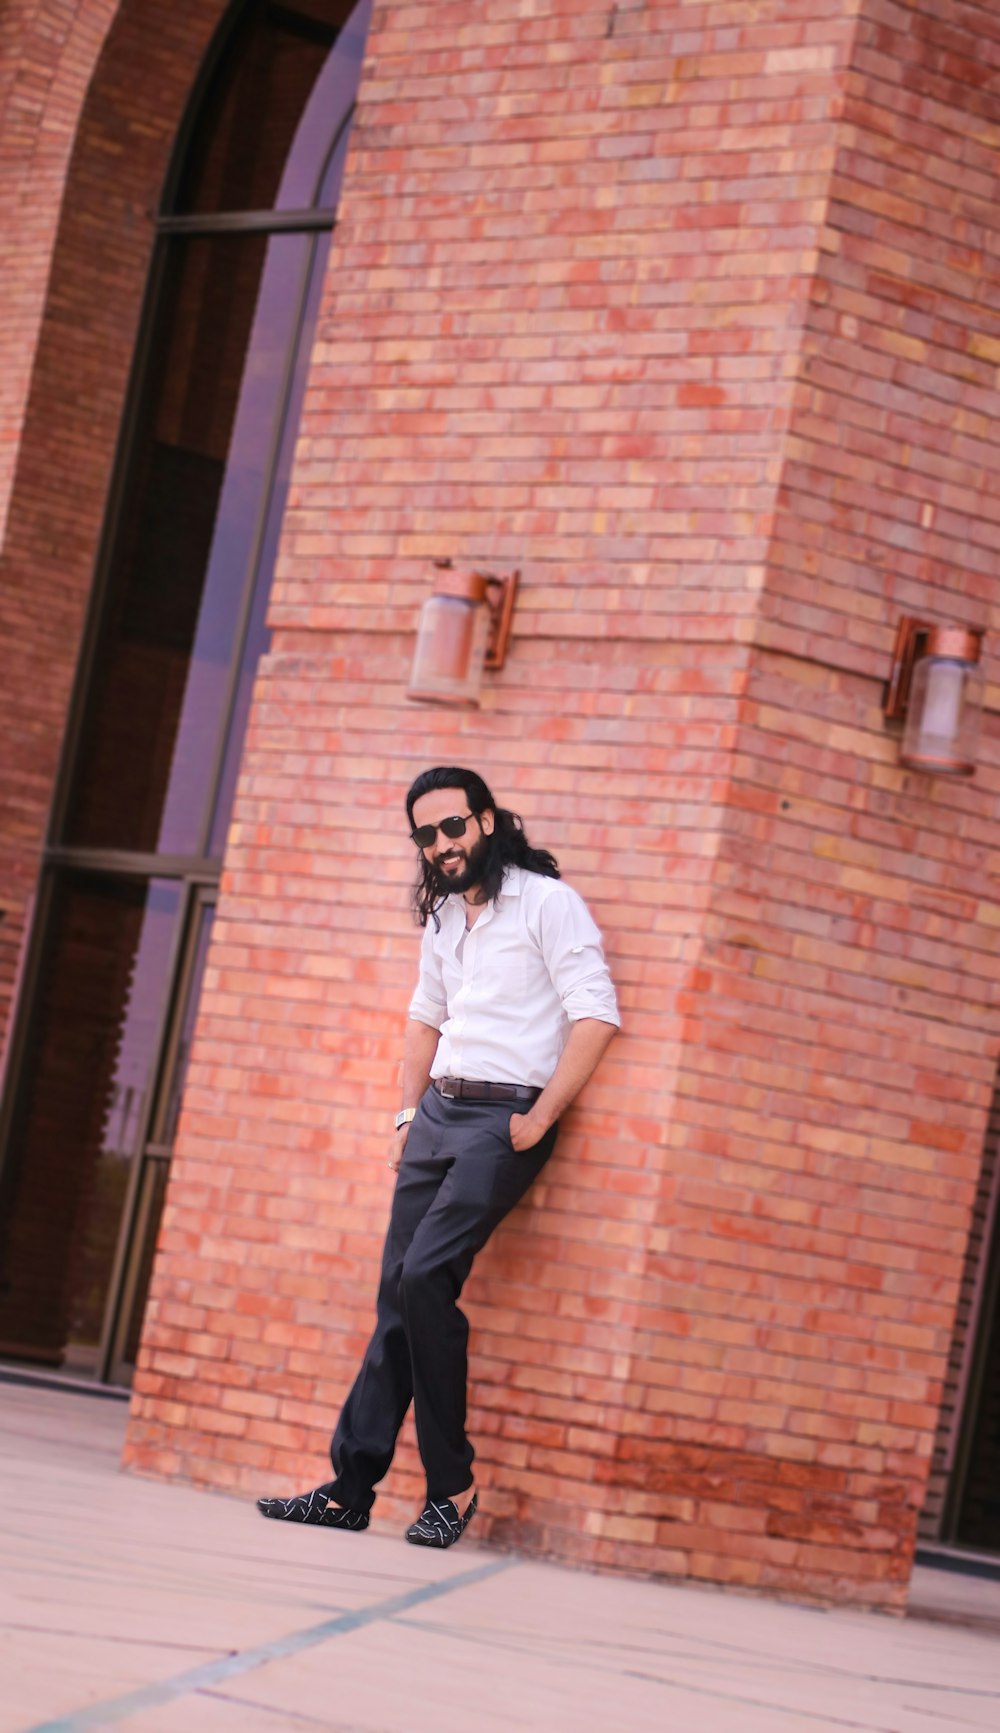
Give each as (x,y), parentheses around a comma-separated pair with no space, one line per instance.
(476,860)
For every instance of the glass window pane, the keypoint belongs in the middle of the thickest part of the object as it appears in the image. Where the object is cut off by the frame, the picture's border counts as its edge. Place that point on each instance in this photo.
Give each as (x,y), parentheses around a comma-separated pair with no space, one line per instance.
(271,68)
(198,487)
(978,1522)
(84,1093)
(309,179)
(155,1180)
(258,637)
(328,197)
(165,1130)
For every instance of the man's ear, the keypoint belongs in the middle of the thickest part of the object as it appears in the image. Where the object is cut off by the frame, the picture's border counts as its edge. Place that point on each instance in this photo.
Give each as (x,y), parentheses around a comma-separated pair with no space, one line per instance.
(487,819)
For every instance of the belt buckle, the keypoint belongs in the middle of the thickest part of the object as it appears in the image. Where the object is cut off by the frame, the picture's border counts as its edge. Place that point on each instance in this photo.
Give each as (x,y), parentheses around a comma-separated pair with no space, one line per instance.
(449,1087)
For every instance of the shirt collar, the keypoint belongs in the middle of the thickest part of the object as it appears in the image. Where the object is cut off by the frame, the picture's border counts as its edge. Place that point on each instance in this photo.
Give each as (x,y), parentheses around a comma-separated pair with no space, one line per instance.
(511,887)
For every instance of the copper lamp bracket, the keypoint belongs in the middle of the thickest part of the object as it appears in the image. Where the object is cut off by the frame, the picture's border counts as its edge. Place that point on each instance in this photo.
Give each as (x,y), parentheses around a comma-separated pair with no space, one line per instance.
(500,593)
(911,644)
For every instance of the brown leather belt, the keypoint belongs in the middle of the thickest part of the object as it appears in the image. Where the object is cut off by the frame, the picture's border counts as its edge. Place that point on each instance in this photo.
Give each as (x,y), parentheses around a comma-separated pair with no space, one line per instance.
(458,1089)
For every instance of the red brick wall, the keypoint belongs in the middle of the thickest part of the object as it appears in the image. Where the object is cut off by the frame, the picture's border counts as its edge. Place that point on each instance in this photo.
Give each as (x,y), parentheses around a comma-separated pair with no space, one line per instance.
(47,53)
(90,101)
(46,56)
(843,1035)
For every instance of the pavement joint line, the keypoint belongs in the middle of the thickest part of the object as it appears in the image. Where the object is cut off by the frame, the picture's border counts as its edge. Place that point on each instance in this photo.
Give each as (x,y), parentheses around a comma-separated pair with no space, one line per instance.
(229,1666)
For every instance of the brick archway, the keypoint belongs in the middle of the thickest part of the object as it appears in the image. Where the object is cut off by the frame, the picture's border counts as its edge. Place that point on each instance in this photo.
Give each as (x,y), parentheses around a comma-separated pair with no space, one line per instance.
(84,167)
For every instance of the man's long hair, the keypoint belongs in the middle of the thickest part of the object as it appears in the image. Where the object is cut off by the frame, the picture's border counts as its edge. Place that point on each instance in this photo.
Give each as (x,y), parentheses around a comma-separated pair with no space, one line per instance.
(507,846)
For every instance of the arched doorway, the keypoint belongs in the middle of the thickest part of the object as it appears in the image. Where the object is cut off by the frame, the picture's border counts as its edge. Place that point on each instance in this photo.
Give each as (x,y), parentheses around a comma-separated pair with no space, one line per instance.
(176,628)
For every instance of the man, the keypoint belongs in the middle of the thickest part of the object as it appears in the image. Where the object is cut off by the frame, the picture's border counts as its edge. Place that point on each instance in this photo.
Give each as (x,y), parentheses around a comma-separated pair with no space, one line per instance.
(513,1009)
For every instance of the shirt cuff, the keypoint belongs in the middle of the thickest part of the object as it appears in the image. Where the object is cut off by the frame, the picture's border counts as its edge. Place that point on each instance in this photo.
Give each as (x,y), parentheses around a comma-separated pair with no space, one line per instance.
(429,1011)
(603,1007)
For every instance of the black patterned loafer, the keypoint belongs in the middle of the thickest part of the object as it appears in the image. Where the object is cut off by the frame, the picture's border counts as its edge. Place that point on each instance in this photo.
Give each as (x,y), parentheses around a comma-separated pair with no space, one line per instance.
(313,1507)
(440,1524)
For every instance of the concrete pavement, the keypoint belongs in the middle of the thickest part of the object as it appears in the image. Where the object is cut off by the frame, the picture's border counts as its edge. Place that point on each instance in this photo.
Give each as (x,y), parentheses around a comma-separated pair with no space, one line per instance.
(159,1609)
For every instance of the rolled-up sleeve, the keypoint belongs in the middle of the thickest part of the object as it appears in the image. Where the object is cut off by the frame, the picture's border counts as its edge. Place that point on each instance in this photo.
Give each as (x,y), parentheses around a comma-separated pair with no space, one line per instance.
(429,1003)
(574,956)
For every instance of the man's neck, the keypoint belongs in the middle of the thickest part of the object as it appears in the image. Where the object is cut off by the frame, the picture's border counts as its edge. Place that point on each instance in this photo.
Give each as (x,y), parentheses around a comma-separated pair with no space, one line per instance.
(475,902)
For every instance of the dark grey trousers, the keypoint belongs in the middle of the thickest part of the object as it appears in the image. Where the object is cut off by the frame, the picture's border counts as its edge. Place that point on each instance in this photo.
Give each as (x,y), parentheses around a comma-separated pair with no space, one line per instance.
(458,1178)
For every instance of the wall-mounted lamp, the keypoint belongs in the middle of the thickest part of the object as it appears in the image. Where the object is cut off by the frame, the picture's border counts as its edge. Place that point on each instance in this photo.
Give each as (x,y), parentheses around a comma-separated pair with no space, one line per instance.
(936,684)
(463,628)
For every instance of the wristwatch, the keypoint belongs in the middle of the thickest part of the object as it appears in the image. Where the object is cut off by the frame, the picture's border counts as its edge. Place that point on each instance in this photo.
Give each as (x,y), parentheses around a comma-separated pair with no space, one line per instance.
(404,1117)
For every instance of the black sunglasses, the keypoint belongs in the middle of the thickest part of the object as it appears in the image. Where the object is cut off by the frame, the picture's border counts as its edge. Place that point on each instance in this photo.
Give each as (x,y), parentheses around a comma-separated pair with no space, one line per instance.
(449,827)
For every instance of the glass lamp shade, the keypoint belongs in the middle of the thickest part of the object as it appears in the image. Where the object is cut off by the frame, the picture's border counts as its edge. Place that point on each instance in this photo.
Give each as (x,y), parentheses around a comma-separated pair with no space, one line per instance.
(451,643)
(945,705)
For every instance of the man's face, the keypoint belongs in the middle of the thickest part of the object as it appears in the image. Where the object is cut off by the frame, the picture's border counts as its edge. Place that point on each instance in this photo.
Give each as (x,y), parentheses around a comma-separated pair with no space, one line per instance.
(456,862)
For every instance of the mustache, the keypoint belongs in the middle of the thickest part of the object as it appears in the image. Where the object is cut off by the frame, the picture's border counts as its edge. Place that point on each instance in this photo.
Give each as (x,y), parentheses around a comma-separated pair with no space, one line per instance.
(457,867)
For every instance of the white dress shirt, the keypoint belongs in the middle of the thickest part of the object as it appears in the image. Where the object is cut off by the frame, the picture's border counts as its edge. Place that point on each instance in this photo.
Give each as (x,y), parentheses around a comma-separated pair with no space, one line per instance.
(504,993)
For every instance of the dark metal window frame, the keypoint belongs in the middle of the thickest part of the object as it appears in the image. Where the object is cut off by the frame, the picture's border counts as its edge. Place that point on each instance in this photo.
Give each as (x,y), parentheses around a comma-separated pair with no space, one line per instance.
(982,1319)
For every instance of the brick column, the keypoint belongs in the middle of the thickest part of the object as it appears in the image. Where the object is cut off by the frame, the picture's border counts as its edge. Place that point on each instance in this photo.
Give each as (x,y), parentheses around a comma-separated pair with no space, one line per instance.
(841,1047)
(690,319)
